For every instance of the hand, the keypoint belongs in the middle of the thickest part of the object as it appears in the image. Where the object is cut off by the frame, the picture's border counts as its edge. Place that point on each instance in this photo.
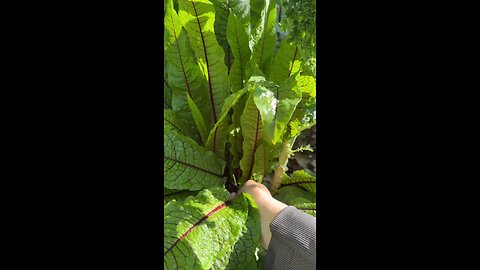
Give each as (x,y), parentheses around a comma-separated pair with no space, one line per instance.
(268,207)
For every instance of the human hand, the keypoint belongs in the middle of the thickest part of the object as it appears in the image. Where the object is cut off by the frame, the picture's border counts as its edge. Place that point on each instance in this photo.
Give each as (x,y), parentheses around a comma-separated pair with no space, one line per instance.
(268,207)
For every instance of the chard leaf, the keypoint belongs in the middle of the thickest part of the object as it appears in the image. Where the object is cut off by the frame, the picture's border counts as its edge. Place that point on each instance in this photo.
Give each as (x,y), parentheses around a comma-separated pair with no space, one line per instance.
(276,105)
(292,195)
(309,208)
(223,9)
(173,121)
(202,229)
(219,133)
(252,131)
(178,195)
(244,255)
(235,136)
(263,37)
(198,18)
(286,62)
(263,161)
(184,75)
(237,35)
(301,178)
(199,121)
(189,166)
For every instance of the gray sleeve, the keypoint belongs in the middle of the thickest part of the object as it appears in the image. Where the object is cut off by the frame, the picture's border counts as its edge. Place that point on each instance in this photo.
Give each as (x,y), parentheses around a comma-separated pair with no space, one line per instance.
(294,240)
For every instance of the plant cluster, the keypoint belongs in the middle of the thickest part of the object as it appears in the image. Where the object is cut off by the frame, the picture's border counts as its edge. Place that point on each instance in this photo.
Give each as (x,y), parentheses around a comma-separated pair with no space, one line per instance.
(234,105)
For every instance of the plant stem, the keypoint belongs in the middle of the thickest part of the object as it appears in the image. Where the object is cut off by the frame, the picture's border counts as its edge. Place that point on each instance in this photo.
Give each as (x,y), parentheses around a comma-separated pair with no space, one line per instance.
(282,165)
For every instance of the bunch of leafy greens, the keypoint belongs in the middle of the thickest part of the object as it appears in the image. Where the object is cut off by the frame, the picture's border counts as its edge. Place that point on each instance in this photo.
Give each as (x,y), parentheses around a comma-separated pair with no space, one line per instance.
(234,105)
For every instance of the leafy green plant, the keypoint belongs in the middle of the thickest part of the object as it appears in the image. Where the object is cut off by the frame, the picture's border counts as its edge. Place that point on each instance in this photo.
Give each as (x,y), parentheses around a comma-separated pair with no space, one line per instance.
(236,97)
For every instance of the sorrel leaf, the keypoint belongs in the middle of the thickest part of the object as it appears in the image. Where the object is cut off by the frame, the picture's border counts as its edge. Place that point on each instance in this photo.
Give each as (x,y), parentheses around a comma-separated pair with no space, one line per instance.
(223,9)
(198,117)
(219,133)
(202,229)
(237,35)
(264,37)
(286,62)
(175,122)
(309,208)
(184,75)
(302,179)
(189,166)
(252,132)
(276,105)
(178,195)
(293,195)
(198,17)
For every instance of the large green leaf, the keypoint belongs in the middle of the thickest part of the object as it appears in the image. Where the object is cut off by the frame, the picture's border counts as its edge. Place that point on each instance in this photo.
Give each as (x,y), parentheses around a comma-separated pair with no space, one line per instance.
(252,131)
(235,135)
(219,133)
(173,120)
(189,166)
(223,9)
(237,35)
(293,195)
(178,195)
(202,229)
(184,75)
(198,118)
(198,17)
(302,179)
(244,255)
(264,37)
(276,105)
(263,161)
(309,208)
(286,62)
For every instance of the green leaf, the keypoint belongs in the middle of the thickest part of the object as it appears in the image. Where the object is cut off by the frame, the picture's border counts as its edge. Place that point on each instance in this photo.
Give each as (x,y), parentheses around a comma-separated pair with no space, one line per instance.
(219,133)
(167,96)
(276,106)
(264,37)
(244,255)
(235,137)
(198,17)
(178,195)
(223,9)
(252,131)
(184,75)
(189,166)
(293,195)
(302,179)
(304,117)
(309,208)
(256,8)
(202,229)
(199,121)
(307,85)
(286,62)
(173,121)
(263,161)
(237,35)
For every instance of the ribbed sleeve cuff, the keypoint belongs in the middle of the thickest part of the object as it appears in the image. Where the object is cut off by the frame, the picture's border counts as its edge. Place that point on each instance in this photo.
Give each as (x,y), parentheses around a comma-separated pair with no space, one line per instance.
(297,230)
